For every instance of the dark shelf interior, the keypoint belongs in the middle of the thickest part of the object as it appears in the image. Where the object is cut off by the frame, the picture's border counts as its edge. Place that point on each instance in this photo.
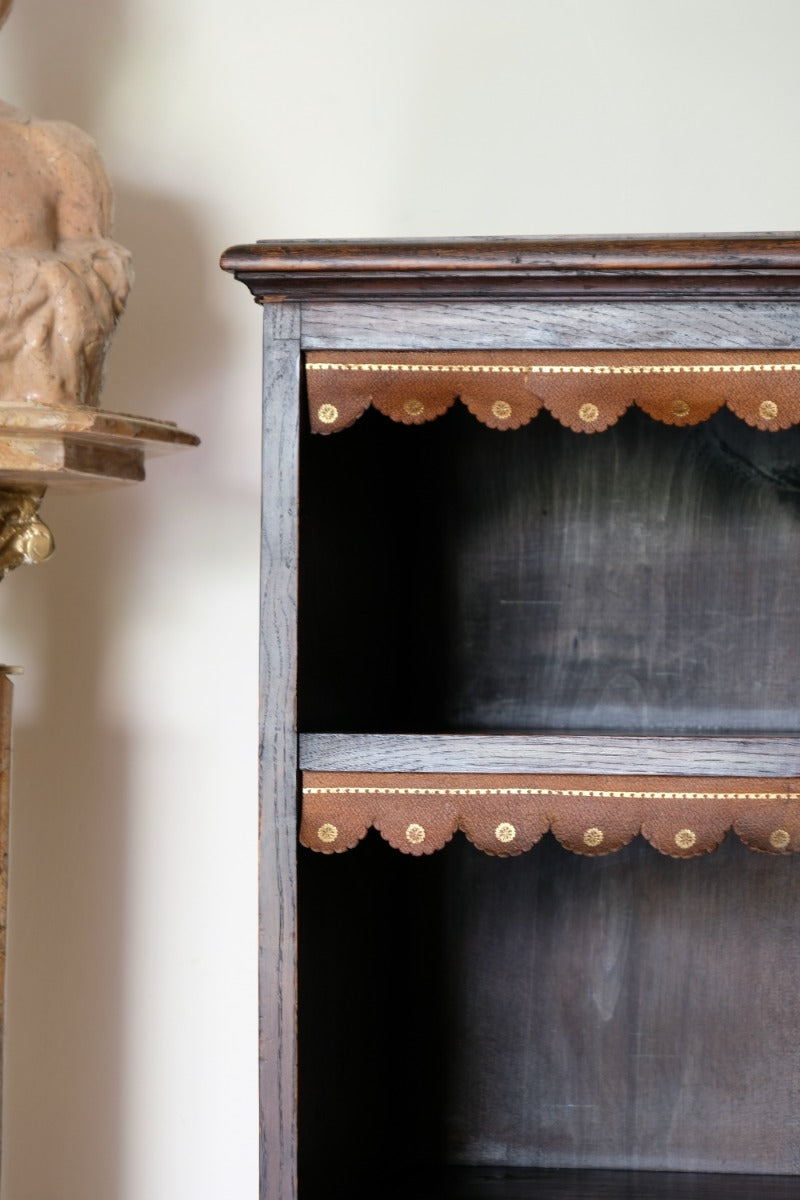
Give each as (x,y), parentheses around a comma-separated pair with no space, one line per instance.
(552,1013)
(642,580)
(547,1011)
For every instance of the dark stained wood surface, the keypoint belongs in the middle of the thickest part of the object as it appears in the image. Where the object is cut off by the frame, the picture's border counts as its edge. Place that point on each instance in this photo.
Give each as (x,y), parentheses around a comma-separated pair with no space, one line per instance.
(548,1010)
(566,1185)
(732,265)
(278,760)
(636,581)
(631,1016)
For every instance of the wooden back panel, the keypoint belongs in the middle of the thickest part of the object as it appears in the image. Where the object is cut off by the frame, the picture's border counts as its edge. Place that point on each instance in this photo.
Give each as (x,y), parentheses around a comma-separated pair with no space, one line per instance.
(550,1010)
(640,580)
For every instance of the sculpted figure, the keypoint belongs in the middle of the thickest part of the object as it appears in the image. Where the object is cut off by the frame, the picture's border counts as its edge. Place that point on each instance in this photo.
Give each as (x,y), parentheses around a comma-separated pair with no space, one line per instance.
(63,282)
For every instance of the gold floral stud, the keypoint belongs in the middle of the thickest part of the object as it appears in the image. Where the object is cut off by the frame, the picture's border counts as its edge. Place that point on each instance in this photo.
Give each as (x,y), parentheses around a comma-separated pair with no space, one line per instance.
(779,839)
(505,832)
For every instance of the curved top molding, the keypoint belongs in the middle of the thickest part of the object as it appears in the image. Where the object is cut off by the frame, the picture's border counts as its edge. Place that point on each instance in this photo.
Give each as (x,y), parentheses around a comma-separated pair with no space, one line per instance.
(730,266)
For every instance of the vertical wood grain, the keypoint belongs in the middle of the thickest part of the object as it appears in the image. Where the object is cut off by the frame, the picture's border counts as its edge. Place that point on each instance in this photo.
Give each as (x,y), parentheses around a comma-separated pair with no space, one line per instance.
(278,755)
(5,781)
(6,691)
(542,325)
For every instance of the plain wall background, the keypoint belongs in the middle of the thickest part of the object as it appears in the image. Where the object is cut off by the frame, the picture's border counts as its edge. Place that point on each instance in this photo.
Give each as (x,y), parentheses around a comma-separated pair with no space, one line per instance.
(131,1025)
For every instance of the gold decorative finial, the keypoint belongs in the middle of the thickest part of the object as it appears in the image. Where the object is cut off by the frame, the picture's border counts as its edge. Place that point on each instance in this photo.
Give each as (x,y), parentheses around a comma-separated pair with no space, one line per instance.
(24,538)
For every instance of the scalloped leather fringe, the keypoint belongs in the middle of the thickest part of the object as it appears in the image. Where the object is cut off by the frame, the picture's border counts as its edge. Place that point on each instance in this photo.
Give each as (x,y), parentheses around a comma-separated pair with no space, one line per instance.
(589,814)
(587,391)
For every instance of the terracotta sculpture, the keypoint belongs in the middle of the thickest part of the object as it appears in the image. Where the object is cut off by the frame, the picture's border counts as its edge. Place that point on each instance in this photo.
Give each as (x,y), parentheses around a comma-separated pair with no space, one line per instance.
(63,285)
(63,282)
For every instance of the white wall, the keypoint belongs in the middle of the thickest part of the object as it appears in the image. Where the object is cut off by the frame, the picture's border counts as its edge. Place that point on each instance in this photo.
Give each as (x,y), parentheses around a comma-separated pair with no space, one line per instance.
(131,1026)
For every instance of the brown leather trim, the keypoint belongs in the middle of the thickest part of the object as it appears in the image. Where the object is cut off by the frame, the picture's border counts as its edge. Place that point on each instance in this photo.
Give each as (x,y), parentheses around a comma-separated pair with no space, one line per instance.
(588,391)
(589,814)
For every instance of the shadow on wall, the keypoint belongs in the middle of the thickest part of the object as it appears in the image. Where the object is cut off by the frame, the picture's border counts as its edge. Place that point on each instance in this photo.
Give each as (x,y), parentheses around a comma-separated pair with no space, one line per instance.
(70,52)
(65,983)
(169,342)
(71,808)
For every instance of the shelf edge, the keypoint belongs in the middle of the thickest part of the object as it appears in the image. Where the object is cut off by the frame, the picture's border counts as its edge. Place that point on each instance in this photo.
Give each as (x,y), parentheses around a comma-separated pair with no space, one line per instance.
(762,756)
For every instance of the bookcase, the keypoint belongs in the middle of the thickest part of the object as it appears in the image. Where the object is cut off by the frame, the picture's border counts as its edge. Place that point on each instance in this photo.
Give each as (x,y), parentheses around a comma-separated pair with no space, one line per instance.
(529,615)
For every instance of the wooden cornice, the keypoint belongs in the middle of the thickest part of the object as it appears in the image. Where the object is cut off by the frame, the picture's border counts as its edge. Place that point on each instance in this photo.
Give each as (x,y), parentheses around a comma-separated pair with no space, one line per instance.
(730,266)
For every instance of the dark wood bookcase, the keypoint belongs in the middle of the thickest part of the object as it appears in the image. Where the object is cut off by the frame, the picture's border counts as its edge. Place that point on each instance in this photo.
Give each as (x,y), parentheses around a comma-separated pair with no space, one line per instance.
(454,598)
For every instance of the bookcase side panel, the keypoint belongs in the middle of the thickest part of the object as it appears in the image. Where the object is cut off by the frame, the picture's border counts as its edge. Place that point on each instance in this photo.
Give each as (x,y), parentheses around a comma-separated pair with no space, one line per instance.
(278,757)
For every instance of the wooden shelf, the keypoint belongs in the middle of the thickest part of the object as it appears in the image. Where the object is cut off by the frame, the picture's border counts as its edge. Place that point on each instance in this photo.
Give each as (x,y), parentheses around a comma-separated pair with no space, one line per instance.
(544,1184)
(551,753)
(448,583)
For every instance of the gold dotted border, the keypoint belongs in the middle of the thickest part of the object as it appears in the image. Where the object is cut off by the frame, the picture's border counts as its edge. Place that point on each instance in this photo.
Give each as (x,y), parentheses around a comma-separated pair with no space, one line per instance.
(559,368)
(580,793)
